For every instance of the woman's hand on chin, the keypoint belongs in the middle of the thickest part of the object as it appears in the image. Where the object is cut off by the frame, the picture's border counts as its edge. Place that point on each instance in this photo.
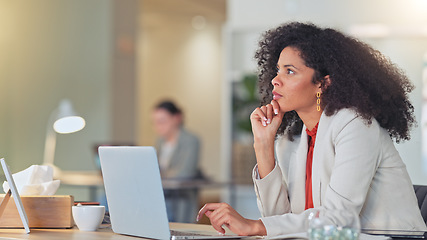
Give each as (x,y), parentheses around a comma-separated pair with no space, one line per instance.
(265,121)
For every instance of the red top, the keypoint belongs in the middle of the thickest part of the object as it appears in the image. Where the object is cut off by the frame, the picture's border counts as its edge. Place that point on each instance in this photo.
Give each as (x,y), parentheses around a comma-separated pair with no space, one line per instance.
(308,188)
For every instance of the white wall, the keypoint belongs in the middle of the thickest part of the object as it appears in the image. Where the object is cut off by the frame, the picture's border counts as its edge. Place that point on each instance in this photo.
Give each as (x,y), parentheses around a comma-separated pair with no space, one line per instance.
(50,50)
(404,44)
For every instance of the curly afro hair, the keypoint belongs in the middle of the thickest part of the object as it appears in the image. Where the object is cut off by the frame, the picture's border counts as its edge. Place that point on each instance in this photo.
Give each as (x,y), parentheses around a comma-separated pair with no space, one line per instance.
(361,78)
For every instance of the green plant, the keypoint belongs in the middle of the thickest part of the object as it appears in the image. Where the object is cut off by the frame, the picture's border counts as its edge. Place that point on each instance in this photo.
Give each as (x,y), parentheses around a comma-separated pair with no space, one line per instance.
(245,100)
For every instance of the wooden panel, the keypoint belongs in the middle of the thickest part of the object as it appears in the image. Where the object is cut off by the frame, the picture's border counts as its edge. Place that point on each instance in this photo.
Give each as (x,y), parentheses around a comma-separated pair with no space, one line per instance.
(42,212)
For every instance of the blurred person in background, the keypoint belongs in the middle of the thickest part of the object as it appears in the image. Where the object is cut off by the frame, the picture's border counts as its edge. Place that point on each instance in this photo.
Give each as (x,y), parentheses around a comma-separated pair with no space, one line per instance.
(178,153)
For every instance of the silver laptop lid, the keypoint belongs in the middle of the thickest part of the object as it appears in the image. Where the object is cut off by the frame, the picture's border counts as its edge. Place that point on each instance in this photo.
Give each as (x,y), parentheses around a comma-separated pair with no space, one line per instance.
(134,191)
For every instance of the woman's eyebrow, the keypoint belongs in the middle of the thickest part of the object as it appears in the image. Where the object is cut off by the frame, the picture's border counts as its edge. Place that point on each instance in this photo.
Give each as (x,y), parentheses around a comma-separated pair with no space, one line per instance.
(290,65)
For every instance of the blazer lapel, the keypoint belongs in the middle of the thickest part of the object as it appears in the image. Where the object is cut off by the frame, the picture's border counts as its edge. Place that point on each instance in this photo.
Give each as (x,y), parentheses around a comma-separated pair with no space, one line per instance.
(297,175)
(318,163)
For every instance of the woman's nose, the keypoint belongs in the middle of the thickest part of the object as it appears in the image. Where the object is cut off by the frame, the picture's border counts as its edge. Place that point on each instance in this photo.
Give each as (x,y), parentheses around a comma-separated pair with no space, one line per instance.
(275,81)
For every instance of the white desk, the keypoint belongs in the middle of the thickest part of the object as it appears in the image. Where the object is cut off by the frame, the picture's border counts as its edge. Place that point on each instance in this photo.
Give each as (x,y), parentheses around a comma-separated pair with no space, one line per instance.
(81,178)
(93,181)
(90,179)
(171,184)
(74,233)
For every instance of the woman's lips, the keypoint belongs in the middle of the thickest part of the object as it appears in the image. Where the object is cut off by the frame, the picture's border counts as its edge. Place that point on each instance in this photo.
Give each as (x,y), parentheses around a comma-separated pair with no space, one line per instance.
(276,95)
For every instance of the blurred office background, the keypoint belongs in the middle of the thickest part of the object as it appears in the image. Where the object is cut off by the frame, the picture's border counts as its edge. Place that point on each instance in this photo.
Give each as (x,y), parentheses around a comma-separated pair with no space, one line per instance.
(114,59)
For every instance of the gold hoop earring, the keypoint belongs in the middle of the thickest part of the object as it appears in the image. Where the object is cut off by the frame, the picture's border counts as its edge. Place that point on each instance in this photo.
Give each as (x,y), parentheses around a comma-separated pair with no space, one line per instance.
(318,101)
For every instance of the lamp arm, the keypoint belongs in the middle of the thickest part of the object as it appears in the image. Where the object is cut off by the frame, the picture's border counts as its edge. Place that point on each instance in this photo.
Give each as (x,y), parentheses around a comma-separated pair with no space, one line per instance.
(50,141)
(49,147)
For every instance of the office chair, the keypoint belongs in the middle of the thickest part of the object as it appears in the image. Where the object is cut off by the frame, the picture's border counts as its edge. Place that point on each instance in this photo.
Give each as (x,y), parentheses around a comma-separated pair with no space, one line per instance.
(421,192)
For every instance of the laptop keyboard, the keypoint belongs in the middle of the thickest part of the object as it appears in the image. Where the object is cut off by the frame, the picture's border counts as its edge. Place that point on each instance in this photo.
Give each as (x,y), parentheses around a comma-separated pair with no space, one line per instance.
(181,233)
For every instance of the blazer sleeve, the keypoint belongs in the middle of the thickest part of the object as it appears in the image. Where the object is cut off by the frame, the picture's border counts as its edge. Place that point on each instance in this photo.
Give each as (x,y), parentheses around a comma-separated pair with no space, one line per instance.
(271,192)
(274,206)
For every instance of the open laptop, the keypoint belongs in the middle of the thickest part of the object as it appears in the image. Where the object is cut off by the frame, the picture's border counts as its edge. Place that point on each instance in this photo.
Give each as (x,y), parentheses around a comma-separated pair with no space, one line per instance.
(135,195)
(14,192)
(397,234)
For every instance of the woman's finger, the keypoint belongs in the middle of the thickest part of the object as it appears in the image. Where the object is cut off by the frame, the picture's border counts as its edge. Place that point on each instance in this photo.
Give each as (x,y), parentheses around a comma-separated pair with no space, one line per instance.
(276,107)
(266,118)
(221,217)
(259,115)
(216,219)
(227,216)
(269,113)
(205,208)
(214,211)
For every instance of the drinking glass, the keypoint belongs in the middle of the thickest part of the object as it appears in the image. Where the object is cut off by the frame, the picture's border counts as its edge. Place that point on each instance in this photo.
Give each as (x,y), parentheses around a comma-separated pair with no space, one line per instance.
(333,225)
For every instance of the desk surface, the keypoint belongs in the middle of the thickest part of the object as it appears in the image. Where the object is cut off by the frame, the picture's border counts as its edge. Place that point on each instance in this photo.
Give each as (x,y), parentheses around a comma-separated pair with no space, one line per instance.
(94,179)
(81,178)
(74,233)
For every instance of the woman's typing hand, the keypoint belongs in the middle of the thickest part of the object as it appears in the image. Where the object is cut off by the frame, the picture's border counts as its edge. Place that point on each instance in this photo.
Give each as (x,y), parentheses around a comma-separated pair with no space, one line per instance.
(222,214)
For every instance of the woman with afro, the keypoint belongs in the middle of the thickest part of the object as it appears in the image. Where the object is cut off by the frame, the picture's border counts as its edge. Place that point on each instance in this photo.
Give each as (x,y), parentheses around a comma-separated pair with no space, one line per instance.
(333,105)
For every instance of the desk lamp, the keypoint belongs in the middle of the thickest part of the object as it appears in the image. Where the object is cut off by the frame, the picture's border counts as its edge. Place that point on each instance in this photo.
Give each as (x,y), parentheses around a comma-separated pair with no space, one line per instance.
(62,120)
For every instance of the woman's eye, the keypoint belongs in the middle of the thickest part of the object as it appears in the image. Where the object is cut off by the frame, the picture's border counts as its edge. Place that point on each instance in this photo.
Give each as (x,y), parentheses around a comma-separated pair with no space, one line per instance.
(289,71)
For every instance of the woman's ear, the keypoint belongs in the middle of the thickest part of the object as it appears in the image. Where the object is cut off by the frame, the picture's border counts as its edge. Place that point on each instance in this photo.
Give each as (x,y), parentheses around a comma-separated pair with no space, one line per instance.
(325,83)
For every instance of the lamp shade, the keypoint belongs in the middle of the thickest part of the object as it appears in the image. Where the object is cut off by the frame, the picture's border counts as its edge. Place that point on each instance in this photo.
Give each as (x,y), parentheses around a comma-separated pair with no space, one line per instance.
(64,120)
(67,120)
(69,124)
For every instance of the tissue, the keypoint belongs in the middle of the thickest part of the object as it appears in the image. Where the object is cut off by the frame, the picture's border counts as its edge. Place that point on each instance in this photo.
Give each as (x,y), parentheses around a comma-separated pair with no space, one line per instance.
(35,180)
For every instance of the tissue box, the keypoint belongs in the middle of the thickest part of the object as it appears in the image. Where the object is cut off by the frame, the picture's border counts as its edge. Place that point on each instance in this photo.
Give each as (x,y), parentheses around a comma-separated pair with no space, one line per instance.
(42,212)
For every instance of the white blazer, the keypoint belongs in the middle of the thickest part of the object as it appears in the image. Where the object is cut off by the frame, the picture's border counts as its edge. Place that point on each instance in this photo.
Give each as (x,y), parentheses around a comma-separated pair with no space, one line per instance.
(355,166)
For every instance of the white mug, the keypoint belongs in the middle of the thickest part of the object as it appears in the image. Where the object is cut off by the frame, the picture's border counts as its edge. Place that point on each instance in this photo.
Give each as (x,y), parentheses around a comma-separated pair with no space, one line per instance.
(88,217)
